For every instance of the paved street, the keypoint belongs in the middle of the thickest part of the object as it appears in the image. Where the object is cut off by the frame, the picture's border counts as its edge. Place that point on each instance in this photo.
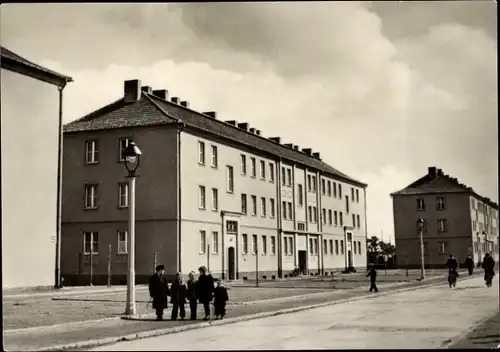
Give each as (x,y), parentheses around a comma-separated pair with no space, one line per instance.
(427,318)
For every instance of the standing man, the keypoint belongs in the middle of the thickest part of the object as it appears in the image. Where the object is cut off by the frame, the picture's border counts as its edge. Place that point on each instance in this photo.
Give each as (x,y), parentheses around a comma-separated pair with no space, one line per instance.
(205,287)
(159,291)
(488,265)
(469,263)
(372,273)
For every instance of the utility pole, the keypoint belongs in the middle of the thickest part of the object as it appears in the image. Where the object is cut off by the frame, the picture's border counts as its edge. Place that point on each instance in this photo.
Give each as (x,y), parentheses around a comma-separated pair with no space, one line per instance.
(109,266)
(420,223)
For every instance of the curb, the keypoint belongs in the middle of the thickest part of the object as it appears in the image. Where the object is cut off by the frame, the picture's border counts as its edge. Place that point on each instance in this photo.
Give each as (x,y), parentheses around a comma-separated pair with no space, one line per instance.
(166,331)
(459,337)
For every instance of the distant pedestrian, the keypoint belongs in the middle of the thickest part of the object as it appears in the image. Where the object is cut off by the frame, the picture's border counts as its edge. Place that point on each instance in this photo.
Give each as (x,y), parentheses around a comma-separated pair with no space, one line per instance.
(488,266)
(205,290)
(452,264)
(220,299)
(469,264)
(372,273)
(178,294)
(191,295)
(159,291)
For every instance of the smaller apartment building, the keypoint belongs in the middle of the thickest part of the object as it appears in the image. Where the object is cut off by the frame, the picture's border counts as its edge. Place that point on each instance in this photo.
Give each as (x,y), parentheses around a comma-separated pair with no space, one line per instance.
(209,192)
(458,221)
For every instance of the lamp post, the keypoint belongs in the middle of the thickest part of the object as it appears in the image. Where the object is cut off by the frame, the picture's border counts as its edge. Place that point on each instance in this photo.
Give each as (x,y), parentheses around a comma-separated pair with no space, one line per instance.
(420,224)
(132,156)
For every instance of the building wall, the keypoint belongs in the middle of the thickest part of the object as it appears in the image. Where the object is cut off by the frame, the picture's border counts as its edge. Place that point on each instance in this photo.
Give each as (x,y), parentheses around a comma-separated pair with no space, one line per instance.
(30,110)
(484,218)
(156,194)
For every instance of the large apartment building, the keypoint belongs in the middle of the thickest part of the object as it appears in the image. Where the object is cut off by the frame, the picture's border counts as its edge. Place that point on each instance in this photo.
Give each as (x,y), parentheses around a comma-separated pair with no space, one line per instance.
(458,221)
(209,192)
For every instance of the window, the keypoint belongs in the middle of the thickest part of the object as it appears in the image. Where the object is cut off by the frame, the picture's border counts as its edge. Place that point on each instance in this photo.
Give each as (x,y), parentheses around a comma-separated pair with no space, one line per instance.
(309,183)
(232,226)
(323,186)
(262,170)
(347,204)
(309,211)
(243,159)
(331,247)
(215,242)
(442,247)
(203,242)
(342,247)
(254,205)
(337,247)
(300,195)
(244,243)
(474,225)
(335,218)
(263,206)
(329,189)
(91,152)
(323,216)
(254,244)
(355,248)
(290,245)
(315,214)
(330,218)
(214,156)
(273,245)
(230,179)
(311,246)
(122,242)
(91,196)
(123,145)
(202,199)
(215,199)
(283,177)
(440,203)
(201,153)
(243,203)
(473,204)
(340,218)
(316,246)
(359,247)
(353,220)
(420,204)
(352,194)
(340,190)
(289,177)
(123,195)
(284,210)
(442,225)
(272,209)
(271,172)
(290,212)
(253,167)
(357,196)
(334,189)
(358,222)
(91,243)
(285,245)
(325,247)
(314,185)
(264,245)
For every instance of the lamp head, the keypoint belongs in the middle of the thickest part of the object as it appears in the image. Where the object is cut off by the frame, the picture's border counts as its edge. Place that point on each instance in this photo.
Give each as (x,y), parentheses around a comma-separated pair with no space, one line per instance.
(420,223)
(132,156)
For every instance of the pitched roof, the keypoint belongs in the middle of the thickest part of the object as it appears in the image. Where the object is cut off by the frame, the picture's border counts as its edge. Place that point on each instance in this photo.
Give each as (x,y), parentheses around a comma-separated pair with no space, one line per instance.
(434,183)
(151,110)
(11,59)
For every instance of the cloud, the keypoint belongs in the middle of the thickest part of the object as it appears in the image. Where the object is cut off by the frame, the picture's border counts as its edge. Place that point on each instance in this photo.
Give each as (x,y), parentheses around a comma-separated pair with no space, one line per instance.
(325,75)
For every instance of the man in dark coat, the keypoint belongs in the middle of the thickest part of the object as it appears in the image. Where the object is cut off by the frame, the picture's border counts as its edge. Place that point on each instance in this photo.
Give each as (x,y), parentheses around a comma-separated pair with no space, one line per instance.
(452,263)
(159,291)
(178,294)
(205,288)
(488,265)
(469,263)
(372,273)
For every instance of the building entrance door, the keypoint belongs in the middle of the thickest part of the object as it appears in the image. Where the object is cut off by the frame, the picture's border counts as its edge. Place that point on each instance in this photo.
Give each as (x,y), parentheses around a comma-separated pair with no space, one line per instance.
(302,262)
(231,263)
(349,258)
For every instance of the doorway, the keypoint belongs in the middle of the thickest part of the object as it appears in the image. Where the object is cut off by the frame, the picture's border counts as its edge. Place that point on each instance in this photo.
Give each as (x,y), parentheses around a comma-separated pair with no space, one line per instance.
(231,263)
(349,258)
(302,262)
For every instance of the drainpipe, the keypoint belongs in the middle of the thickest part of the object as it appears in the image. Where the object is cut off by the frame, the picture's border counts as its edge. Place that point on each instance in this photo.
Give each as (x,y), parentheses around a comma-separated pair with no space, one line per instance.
(280,221)
(180,126)
(319,192)
(57,280)
(366,230)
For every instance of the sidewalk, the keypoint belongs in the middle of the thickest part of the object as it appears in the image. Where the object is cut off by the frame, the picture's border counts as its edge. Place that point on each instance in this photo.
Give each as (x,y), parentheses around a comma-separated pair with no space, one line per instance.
(47,338)
(484,336)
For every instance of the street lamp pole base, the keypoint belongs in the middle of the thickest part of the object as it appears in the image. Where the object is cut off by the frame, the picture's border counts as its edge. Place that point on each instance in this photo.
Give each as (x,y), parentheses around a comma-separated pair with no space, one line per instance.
(130,310)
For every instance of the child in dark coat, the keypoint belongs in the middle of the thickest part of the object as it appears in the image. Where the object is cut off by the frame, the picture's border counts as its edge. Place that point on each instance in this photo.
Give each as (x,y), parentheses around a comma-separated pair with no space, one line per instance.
(178,294)
(191,295)
(220,299)
(372,273)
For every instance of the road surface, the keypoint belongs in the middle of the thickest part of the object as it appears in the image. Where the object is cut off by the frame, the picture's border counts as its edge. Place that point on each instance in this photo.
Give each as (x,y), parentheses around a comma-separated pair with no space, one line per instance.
(426,318)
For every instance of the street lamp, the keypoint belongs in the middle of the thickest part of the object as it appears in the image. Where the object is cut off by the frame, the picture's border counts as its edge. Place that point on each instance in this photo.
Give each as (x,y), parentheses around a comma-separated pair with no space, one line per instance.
(132,155)
(420,225)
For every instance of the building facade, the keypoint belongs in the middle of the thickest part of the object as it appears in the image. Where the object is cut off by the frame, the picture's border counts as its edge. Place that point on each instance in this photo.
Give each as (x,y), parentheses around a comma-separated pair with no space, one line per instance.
(31,116)
(209,192)
(458,221)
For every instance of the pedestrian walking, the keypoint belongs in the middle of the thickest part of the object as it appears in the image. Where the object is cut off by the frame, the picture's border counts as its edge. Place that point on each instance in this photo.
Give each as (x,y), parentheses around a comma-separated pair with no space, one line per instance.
(205,290)
(220,299)
(178,297)
(372,273)
(489,268)
(159,291)
(191,295)
(469,264)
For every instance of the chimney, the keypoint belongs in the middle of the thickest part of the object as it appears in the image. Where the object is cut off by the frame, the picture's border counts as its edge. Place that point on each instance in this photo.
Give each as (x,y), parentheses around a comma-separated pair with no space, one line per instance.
(296,147)
(212,114)
(316,155)
(185,103)
(432,171)
(439,172)
(147,89)
(289,145)
(232,122)
(132,91)
(308,151)
(243,126)
(175,100)
(257,132)
(252,130)
(276,139)
(161,93)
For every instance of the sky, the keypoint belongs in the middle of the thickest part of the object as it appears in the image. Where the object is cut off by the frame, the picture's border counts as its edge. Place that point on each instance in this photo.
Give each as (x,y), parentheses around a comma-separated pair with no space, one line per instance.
(382,90)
